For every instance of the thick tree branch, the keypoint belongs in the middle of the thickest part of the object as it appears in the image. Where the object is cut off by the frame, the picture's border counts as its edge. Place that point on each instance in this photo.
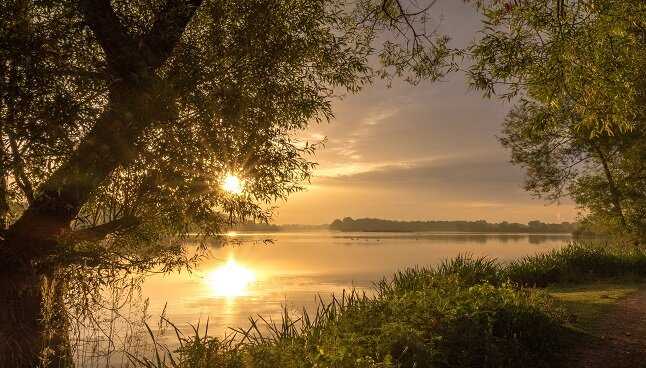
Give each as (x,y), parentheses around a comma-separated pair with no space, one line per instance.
(109,144)
(120,50)
(128,56)
(615,195)
(19,171)
(99,232)
(137,100)
(167,29)
(4,191)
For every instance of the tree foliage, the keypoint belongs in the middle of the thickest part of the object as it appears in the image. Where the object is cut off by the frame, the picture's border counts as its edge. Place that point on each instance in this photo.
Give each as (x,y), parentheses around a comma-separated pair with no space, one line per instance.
(575,69)
(224,95)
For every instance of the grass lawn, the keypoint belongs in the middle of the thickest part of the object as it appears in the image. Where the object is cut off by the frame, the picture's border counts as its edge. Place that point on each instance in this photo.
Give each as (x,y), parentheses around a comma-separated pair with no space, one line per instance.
(587,303)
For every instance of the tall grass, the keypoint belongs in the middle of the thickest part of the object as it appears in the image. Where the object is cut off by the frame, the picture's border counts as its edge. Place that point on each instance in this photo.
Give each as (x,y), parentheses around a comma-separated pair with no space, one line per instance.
(575,263)
(465,312)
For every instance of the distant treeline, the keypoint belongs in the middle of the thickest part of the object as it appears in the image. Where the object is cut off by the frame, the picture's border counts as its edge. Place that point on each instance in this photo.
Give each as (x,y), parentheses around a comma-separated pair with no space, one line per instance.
(371,224)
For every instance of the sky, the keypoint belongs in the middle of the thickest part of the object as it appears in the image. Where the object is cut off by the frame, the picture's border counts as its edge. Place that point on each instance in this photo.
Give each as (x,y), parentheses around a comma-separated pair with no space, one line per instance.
(425,152)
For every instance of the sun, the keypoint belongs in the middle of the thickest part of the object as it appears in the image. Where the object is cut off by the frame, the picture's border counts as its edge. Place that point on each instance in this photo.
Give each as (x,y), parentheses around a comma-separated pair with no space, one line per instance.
(232,184)
(230,280)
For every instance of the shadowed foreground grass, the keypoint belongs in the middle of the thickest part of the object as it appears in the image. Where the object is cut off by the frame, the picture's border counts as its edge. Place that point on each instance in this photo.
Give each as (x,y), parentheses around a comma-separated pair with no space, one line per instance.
(587,302)
(466,312)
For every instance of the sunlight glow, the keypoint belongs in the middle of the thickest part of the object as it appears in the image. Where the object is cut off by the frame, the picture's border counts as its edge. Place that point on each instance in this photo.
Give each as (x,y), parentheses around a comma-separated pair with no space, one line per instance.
(230,280)
(232,184)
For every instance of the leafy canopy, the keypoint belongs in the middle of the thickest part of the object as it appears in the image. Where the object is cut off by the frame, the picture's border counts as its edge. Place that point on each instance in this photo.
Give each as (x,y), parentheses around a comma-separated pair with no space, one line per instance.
(575,70)
(213,88)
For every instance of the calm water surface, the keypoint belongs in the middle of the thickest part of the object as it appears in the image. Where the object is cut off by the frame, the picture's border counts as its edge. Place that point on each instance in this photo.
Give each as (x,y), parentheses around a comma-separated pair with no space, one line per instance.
(254,278)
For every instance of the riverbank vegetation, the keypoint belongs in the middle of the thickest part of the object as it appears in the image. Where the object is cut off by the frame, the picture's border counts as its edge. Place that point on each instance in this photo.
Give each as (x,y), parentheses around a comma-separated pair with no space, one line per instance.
(465,312)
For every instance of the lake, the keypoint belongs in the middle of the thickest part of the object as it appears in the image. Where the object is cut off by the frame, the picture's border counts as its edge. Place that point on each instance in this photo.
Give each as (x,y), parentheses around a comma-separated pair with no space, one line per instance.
(253,277)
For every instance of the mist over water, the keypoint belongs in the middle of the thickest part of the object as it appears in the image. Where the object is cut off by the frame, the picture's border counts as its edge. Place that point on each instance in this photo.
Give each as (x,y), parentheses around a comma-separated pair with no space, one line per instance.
(252,277)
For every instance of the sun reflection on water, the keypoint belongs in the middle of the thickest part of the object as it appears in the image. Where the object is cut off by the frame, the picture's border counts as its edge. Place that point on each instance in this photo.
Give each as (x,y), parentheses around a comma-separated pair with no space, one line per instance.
(230,280)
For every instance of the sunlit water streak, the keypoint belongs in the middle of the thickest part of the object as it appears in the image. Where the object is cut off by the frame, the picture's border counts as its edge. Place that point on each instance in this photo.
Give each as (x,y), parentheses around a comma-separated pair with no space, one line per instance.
(230,280)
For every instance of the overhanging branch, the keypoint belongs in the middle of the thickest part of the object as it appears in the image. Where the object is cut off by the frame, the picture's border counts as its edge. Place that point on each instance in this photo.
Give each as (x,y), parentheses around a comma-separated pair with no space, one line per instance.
(167,29)
(111,142)
(19,172)
(100,232)
(120,49)
(127,55)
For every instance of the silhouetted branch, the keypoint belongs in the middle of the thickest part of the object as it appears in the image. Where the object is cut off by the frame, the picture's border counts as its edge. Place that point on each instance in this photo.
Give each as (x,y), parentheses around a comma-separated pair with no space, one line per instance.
(167,29)
(99,232)
(119,48)
(128,56)
(19,172)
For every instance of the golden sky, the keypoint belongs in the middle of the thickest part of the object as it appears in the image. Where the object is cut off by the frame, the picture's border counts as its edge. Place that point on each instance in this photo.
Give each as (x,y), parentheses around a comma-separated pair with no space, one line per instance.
(418,152)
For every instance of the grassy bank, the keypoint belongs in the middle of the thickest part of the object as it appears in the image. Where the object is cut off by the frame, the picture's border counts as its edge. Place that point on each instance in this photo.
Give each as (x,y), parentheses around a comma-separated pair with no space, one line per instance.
(587,302)
(466,312)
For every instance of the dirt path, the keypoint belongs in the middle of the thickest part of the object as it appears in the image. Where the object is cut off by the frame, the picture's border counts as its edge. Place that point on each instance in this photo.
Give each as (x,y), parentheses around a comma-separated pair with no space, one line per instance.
(621,338)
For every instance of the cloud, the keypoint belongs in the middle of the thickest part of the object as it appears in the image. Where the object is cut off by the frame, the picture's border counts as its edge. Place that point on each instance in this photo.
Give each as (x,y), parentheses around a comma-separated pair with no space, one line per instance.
(469,187)
(470,170)
(349,143)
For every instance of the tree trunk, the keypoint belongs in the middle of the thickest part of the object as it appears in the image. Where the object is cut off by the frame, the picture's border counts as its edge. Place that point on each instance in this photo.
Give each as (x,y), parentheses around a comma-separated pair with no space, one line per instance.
(33,321)
(57,351)
(24,326)
(21,330)
(4,194)
(138,101)
(615,195)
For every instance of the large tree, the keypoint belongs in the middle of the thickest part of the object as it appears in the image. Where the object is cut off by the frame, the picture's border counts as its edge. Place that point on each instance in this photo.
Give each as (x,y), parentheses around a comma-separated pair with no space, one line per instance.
(575,69)
(119,119)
